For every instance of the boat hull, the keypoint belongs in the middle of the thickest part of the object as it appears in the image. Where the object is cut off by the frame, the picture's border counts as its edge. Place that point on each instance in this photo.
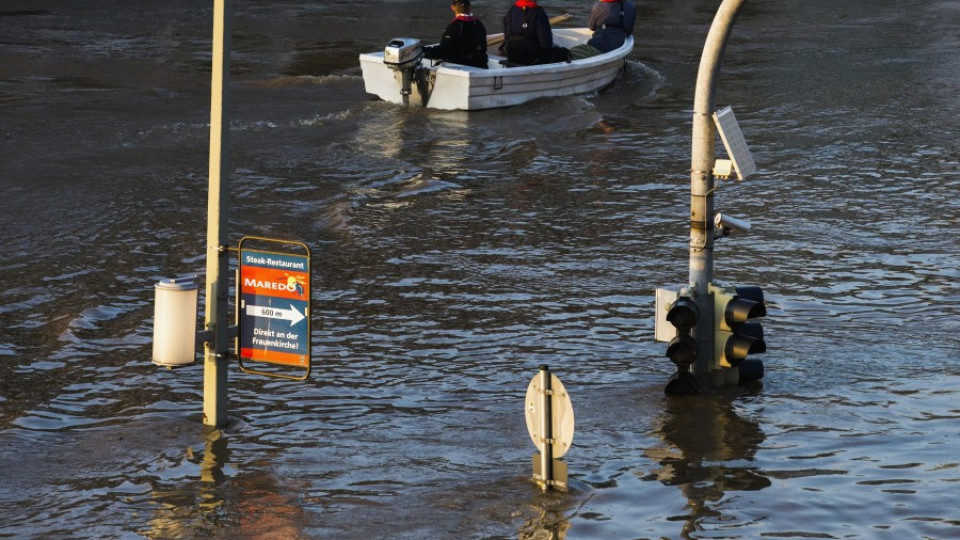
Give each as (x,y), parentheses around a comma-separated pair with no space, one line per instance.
(456,87)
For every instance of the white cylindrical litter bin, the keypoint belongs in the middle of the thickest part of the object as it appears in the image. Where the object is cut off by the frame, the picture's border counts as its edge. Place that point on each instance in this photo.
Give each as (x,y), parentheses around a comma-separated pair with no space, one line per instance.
(175,322)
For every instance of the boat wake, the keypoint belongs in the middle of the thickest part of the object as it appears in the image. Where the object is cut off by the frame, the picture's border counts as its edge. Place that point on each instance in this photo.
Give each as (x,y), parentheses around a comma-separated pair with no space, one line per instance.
(300,80)
(639,80)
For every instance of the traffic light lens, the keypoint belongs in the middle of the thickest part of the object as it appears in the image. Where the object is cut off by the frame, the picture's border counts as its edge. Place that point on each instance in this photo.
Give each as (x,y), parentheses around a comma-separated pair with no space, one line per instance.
(682,383)
(739,310)
(751,370)
(747,339)
(682,351)
(683,314)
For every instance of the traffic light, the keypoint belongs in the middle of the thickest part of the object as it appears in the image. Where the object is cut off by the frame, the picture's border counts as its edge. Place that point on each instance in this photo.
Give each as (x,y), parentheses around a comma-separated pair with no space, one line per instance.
(736,335)
(683,314)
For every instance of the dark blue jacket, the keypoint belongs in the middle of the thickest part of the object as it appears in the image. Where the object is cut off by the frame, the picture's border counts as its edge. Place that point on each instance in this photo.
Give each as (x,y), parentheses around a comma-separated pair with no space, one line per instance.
(611,23)
(527,35)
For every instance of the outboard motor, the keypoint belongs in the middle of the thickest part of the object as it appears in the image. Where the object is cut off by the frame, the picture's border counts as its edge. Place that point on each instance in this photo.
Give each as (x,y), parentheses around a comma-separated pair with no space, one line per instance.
(403,55)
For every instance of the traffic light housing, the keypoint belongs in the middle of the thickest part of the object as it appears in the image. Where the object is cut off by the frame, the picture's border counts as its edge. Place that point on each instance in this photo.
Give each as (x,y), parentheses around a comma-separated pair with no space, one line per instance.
(736,335)
(682,350)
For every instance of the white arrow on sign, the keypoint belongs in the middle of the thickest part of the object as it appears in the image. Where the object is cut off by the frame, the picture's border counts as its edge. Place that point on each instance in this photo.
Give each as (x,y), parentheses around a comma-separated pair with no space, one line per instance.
(293,314)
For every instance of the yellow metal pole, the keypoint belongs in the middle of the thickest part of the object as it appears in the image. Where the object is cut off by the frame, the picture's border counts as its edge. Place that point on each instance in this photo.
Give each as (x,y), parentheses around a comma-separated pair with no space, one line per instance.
(215,356)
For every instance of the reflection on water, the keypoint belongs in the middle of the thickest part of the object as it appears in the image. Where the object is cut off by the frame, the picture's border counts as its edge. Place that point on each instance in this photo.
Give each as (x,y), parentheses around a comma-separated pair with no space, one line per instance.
(215,457)
(238,503)
(551,524)
(708,454)
(181,511)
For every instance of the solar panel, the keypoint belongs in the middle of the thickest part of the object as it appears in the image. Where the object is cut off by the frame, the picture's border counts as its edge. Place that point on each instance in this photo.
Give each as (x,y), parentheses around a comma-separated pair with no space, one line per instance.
(734,142)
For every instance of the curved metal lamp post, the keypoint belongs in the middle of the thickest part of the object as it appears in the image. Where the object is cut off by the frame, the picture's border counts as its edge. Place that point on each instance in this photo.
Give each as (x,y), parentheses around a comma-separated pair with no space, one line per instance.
(702,182)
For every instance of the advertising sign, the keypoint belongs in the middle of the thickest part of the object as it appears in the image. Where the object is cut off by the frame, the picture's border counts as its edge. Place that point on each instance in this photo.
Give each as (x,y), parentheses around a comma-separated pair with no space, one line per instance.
(274,307)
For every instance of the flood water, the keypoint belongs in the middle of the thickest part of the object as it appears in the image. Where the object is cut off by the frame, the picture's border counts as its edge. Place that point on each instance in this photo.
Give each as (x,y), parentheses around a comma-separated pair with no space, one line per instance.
(454,253)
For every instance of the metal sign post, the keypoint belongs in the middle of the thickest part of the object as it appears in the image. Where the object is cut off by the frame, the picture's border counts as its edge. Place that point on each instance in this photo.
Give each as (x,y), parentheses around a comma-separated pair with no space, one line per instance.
(215,320)
(550,423)
(279,333)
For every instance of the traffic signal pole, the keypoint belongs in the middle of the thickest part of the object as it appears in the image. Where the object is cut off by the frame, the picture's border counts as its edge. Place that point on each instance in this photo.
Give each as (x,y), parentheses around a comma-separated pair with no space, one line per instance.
(703,157)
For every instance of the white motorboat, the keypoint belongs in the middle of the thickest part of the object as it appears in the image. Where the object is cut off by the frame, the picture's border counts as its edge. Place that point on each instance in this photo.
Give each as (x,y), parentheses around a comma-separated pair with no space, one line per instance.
(401,75)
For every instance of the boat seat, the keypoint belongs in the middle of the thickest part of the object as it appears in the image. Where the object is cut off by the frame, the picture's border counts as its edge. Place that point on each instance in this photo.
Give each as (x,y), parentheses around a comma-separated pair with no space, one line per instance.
(497,61)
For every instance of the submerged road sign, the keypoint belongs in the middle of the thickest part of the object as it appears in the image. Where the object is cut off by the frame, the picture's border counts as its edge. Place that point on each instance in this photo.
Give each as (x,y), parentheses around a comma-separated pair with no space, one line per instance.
(273,311)
(549,414)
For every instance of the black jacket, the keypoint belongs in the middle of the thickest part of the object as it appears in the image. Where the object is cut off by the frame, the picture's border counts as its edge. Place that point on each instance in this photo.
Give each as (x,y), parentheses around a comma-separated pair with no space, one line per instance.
(463,42)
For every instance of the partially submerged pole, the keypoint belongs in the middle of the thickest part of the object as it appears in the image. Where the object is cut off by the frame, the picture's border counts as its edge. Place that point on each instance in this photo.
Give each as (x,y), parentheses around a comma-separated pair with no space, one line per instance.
(546,429)
(703,156)
(215,322)
(549,415)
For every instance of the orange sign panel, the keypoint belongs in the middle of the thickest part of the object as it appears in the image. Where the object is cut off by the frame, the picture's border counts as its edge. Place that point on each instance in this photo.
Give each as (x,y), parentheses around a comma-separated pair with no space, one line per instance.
(274,308)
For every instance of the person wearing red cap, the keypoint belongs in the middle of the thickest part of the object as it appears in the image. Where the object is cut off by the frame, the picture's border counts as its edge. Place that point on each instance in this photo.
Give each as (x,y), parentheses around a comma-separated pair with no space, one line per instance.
(611,21)
(528,38)
(464,41)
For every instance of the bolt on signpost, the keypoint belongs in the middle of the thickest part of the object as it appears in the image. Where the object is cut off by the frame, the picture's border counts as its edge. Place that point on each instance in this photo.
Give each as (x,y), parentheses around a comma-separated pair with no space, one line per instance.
(691,310)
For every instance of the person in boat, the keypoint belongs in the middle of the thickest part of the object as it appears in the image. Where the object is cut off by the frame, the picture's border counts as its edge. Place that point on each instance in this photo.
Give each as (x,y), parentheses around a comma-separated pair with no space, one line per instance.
(464,41)
(528,38)
(611,21)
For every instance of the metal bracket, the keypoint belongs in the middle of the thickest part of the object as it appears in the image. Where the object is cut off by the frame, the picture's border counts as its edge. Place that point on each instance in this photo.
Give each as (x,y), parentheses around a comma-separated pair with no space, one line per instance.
(206,336)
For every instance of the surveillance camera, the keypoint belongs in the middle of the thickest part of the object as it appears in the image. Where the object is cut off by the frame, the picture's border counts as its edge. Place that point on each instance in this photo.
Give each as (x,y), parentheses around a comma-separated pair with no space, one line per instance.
(727,223)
